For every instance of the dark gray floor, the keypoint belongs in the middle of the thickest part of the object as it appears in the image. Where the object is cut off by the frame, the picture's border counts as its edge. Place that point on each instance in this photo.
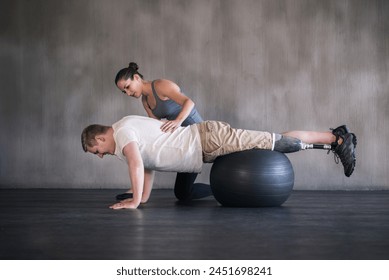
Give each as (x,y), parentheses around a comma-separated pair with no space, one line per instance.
(77,224)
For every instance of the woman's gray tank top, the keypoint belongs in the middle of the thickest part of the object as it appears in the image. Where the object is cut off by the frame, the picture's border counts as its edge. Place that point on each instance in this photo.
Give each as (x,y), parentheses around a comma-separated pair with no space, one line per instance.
(169,109)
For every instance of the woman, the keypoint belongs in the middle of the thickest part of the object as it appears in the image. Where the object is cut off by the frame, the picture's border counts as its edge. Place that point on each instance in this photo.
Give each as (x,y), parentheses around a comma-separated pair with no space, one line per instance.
(163,99)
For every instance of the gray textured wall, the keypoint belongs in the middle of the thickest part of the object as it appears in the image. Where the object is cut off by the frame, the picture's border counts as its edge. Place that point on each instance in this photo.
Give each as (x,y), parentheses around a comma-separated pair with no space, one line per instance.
(269,65)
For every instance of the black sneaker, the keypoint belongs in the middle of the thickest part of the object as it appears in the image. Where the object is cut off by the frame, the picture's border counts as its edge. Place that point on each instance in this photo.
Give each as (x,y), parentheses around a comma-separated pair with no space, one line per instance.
(340,130)
(346,153)
(123,196)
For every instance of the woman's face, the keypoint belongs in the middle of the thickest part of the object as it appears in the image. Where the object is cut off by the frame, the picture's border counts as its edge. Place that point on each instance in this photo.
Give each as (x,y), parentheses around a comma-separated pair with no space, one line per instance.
(130,87)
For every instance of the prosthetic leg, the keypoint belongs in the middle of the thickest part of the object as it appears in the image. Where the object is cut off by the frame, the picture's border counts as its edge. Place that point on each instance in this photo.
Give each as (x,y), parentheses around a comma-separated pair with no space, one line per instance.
(286,144)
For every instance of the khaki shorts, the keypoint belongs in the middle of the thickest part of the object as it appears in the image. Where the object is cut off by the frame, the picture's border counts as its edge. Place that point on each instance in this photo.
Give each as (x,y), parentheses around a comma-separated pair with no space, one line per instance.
(218,138)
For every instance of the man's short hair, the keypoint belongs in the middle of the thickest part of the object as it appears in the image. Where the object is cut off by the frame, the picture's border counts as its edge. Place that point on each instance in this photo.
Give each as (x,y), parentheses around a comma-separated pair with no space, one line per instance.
(88,135)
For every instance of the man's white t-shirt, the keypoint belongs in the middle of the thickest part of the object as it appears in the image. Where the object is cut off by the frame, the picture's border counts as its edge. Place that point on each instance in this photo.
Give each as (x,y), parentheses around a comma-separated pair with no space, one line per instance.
(178,151)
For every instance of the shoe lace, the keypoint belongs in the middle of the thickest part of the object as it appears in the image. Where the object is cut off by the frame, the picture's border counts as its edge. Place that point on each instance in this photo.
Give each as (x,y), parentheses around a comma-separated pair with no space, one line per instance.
(336,156)
(333,146)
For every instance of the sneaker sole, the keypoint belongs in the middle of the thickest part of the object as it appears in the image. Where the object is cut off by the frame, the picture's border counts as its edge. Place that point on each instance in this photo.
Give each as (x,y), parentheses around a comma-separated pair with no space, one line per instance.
(354,141)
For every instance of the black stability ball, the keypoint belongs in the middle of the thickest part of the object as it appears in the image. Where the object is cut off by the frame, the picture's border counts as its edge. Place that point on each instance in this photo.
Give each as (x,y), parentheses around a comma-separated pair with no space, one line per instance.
(253,178)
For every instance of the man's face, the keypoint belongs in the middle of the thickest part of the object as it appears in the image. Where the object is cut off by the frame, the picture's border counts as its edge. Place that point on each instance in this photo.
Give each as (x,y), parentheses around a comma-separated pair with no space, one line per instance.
(103,147)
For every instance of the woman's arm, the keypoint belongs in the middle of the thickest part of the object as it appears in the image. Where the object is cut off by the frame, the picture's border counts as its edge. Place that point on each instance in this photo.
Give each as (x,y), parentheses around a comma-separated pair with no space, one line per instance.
(169,90)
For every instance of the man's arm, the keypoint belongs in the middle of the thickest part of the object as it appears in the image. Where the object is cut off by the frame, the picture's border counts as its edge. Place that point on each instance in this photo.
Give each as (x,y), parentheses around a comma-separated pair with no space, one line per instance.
(137,176)
(148,185)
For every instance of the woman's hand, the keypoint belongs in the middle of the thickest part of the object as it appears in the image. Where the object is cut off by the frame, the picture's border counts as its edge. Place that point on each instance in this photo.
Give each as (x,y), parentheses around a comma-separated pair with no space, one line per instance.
(170,125)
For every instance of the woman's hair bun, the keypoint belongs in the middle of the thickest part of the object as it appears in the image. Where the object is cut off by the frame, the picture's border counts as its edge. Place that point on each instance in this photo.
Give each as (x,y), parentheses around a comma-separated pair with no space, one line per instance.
(133,65)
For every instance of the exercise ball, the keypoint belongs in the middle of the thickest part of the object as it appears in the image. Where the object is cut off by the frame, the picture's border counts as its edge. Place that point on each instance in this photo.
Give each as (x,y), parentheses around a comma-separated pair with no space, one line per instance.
(253,178)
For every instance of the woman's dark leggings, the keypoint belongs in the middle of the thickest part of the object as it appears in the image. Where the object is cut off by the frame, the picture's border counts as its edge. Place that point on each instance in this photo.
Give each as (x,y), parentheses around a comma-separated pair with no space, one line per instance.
(185,189)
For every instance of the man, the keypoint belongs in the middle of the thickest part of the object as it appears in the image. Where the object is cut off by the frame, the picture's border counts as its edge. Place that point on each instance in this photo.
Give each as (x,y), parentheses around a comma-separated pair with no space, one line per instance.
(140,142)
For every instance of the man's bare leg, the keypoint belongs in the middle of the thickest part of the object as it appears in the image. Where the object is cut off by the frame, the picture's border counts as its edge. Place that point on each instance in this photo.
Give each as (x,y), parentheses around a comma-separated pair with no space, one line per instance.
(312,136)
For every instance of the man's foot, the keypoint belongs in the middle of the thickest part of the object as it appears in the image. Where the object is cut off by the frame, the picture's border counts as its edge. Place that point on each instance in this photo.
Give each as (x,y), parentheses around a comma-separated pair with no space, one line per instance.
(123,196)
(345,151)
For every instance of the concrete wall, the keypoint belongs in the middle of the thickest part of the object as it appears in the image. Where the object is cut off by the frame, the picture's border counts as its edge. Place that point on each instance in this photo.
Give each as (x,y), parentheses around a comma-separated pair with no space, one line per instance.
(268,65)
